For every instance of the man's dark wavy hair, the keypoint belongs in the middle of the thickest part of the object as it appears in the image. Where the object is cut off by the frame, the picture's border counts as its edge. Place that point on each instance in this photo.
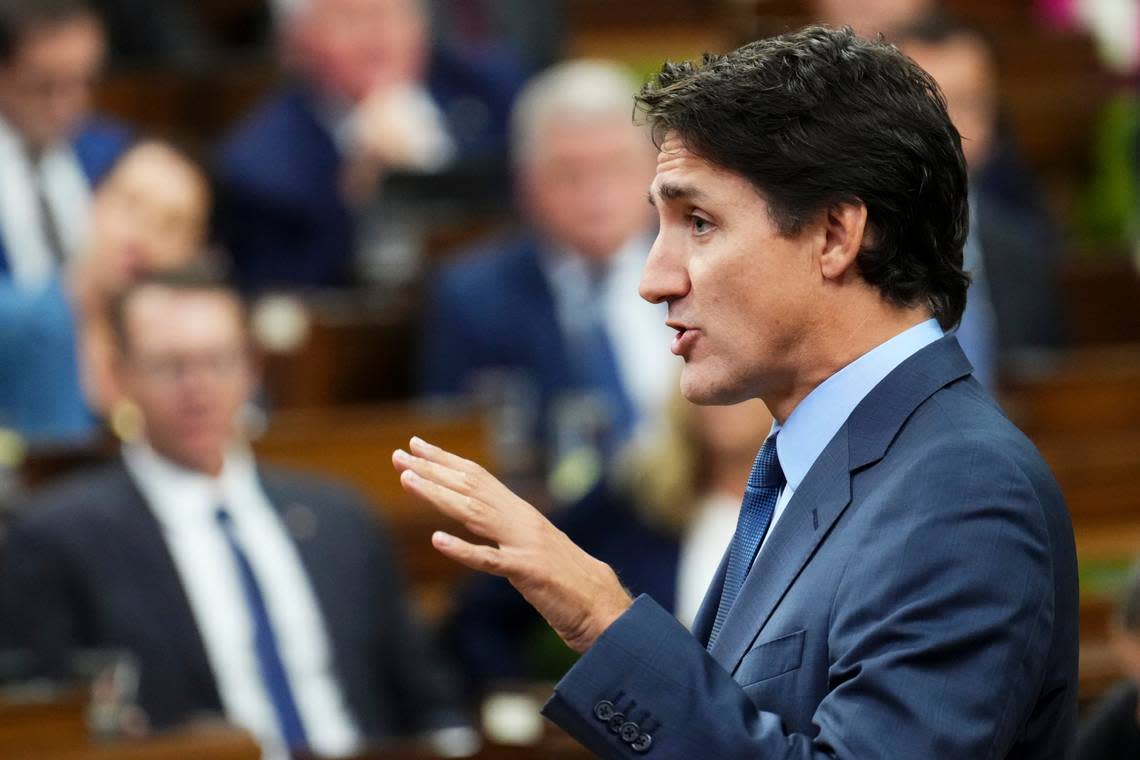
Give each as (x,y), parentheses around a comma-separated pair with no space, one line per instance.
(819,117)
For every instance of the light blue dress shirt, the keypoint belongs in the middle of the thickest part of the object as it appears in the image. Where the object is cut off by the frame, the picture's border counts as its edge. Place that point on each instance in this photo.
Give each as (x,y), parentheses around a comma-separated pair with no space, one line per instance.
(816,420)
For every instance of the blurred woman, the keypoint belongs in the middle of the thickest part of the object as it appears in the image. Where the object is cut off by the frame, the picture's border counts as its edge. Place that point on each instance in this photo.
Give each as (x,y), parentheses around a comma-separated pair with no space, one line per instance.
(662,520)
(151,212)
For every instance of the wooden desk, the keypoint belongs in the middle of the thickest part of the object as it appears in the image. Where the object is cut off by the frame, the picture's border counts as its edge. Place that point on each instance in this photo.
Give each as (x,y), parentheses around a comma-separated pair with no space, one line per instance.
(54,727)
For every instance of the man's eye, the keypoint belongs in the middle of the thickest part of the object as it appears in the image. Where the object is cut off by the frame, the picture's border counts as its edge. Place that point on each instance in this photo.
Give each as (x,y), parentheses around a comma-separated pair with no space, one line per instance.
(699,224)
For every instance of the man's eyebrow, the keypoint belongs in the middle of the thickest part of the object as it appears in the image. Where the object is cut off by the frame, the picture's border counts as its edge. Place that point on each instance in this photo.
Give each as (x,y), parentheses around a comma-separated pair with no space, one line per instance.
(672,192)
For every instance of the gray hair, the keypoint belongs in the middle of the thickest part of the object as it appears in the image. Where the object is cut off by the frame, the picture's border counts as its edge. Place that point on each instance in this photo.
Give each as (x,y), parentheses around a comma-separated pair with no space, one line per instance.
(574,91)
(285,12)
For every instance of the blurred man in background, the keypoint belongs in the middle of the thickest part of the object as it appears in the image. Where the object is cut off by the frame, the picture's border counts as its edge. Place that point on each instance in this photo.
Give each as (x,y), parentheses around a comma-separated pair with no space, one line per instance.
(558,307)
(1012,252)
(369,97)
(51,52)
(256,593)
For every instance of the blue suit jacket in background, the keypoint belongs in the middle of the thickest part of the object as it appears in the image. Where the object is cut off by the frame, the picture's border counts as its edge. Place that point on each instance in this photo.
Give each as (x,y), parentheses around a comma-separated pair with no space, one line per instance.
(494,309)
(917,599)
(282,218)
(97,147)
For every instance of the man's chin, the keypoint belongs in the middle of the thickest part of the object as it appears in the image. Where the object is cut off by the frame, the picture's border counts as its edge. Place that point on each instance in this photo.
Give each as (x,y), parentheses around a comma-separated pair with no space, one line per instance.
(707,391)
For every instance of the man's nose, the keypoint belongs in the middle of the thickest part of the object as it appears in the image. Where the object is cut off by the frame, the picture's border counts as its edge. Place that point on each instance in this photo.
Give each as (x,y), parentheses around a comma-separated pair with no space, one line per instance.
(664,277)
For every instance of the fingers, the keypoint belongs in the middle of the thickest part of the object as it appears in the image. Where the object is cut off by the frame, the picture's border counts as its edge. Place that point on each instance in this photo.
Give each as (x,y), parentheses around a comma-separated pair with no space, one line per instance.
(471,512)
(432,453)
(472,479)
(485,559)
(447,477)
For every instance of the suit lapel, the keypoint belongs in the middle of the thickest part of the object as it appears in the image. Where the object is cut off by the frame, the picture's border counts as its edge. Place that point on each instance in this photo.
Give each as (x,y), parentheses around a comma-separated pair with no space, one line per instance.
(163,595)
(538,315)
(823,495)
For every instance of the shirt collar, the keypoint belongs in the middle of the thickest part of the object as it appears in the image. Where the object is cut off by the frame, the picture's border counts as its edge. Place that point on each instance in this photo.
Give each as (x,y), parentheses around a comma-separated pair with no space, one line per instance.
(176,493)
(816,420)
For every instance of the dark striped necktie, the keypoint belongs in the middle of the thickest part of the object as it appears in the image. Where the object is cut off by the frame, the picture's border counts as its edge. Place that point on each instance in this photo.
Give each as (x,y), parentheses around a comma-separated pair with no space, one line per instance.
(760,495)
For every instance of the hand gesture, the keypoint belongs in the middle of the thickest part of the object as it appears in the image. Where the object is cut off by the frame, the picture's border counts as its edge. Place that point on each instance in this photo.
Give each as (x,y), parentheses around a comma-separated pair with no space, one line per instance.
(578,595)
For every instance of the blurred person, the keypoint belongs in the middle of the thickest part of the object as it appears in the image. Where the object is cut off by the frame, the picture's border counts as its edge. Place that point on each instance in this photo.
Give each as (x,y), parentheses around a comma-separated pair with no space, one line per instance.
(558,305)
(673,495)
(871,17)
(150,213)
(1014,307)
(368,96)
(264,595)
(1110,728)
(51,150)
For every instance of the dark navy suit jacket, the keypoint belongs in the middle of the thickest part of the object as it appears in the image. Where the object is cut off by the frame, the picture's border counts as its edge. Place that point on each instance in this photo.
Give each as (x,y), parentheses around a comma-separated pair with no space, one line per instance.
(97,146)
(917,599)
(493,309)
(281,213)
(86,566)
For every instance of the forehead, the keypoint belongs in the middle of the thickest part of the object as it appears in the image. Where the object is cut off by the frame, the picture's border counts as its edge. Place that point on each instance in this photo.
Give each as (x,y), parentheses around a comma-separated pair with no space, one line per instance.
(682,174)
(165,319)
(161,173)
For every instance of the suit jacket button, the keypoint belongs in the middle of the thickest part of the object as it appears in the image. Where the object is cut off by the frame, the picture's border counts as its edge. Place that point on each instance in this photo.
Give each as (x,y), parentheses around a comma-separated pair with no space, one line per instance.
(629,732)
(641,744)
(616,721)
(604,710)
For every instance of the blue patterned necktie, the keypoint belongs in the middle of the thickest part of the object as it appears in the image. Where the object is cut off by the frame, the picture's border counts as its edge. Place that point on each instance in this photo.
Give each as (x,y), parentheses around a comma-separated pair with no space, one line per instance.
(269,661)
(760,496)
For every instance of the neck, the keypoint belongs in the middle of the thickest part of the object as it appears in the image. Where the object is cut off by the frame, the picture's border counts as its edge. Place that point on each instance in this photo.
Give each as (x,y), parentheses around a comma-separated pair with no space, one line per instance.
(210,465)
(842,342)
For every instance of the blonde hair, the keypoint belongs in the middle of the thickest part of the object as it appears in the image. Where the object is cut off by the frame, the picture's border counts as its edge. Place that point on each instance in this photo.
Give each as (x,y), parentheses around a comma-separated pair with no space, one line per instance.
(662,470)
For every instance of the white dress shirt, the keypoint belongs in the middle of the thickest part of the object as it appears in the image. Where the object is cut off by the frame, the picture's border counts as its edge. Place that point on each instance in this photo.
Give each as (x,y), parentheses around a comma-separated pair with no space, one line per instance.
(816,420)
(702,547)
(31,262)
(636,328)
(185,504)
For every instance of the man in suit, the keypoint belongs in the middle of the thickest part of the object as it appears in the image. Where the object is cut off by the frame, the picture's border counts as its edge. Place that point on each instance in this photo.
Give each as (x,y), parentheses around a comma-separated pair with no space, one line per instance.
(1012,250)
(368,97)
(902,580)
(51,152)
(555,308)
(264,595)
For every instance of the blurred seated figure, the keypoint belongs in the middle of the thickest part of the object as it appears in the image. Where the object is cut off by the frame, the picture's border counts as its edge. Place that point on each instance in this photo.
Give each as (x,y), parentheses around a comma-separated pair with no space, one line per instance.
(1110,728)
(1014,305)
(264,595)
(556,308)
(150,213)
(51,151)
(368,97)
(662,520)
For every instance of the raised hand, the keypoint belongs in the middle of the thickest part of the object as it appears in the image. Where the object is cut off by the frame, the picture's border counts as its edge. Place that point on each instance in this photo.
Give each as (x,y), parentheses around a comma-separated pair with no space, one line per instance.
(578,595)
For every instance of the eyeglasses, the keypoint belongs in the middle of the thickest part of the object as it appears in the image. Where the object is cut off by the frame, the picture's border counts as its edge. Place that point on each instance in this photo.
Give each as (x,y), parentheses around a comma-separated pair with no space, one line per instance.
(217,365)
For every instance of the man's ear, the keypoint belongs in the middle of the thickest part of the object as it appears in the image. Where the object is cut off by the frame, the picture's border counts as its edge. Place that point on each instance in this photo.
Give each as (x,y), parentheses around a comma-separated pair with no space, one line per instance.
(845,226)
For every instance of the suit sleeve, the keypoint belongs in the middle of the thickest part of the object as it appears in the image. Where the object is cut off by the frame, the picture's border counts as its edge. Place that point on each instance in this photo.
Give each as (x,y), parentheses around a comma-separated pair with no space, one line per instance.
(939,632)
